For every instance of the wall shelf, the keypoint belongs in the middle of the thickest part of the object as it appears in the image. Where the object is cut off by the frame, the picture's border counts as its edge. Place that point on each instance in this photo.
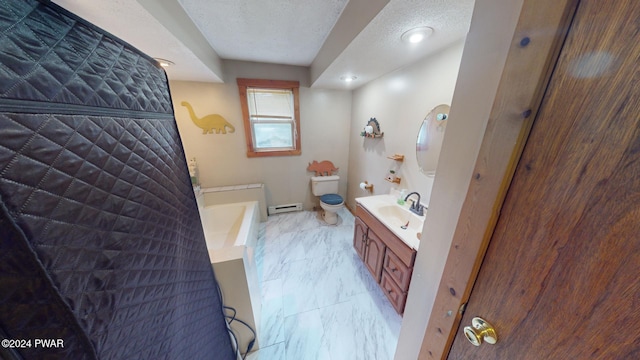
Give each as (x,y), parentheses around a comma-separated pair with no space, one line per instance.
(372,136)
(396,157)
(372,129)
(395,180)
(393,171)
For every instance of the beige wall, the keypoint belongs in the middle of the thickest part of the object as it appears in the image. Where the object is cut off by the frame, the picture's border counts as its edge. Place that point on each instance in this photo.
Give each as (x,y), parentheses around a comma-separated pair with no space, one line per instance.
(399,101)
(325,128)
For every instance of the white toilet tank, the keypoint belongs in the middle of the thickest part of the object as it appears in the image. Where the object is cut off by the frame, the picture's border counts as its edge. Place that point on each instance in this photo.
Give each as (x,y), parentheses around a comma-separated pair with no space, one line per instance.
(321,185)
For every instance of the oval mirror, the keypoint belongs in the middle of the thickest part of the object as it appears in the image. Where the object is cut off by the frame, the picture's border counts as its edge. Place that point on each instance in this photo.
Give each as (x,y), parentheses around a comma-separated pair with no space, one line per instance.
(430,138)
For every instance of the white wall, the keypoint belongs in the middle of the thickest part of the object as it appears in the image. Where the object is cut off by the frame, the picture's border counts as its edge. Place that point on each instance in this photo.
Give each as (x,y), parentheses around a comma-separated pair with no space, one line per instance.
(222,159)
(399,101)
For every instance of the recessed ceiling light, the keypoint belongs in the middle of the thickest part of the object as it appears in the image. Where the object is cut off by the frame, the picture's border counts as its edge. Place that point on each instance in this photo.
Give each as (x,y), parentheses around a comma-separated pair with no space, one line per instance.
(416,35)
(348,78)
(164,62)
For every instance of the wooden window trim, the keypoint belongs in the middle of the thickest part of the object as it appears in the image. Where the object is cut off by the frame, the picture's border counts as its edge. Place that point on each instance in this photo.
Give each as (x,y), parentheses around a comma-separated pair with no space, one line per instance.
(294,86)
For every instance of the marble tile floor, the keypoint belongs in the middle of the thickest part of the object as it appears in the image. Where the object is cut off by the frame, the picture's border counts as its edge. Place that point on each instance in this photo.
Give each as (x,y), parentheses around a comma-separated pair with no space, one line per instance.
(319,302)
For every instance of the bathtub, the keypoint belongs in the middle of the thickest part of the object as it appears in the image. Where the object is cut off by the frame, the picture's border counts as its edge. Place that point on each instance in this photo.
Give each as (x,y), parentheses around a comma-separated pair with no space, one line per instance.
(231,233)
(229,225)
(235,193)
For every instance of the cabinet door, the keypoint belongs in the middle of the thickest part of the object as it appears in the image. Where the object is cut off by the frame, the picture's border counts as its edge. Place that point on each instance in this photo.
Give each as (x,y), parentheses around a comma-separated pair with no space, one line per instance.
(374,255)
(360,238)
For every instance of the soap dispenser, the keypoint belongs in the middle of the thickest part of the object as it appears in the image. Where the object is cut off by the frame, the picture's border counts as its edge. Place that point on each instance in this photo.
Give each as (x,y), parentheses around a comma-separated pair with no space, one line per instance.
(403,192)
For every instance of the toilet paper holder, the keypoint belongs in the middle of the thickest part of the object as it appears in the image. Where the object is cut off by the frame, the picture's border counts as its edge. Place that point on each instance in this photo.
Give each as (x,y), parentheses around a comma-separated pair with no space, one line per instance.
(366,186)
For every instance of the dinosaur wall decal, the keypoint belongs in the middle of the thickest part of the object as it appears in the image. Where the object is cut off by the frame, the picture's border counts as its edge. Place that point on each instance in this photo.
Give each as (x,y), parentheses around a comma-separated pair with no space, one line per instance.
(210,122)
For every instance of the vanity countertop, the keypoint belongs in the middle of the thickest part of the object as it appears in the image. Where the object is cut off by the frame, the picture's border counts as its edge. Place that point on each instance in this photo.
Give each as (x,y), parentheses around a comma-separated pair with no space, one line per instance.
(394,216)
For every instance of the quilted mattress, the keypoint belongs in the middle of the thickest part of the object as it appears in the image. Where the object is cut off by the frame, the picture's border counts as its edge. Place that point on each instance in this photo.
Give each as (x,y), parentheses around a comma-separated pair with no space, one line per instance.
(101,248)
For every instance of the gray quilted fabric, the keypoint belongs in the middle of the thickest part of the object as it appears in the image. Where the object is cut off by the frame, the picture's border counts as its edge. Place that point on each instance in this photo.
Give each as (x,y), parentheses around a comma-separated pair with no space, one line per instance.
(49,56)
(101,239)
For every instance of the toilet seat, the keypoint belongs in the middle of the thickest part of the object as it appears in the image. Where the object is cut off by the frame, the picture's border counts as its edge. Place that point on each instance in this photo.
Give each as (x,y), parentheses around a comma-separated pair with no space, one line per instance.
(331,204)
(331,199)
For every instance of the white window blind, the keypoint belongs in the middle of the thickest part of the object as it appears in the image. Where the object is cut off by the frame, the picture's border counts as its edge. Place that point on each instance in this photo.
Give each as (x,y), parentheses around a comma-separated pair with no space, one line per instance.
(271,114)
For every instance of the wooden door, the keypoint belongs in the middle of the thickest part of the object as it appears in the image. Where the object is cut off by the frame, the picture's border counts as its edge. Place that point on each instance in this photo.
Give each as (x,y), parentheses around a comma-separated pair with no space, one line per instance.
(561,277)
(360,237)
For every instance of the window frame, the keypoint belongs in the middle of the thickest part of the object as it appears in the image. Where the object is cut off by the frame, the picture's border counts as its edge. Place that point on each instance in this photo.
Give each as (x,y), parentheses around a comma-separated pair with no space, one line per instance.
(294,86)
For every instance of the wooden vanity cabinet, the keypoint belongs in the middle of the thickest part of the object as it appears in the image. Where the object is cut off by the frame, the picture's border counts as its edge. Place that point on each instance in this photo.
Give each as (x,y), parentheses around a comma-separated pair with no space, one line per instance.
(388,258)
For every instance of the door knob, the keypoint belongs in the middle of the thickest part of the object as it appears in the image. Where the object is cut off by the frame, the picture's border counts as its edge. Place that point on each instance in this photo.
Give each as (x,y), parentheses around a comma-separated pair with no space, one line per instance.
(479,331)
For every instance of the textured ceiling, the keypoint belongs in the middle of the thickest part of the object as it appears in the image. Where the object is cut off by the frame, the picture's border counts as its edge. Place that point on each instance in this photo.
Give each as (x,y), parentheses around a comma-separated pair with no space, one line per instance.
(275,31)
(332,37)
(379,47)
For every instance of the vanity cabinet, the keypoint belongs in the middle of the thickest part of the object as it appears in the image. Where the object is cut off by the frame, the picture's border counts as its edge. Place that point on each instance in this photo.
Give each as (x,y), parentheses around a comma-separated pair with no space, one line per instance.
(388,258)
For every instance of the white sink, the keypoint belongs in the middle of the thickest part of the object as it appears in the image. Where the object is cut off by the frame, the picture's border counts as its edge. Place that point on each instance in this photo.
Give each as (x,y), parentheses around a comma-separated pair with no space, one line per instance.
(400,217)
(397,218)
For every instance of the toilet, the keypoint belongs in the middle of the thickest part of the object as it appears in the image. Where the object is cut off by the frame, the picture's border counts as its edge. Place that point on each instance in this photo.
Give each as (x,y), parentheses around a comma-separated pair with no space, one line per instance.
(326,187)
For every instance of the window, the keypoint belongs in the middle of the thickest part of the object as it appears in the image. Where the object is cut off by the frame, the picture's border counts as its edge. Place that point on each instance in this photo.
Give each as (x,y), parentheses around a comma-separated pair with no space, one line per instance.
(271,116)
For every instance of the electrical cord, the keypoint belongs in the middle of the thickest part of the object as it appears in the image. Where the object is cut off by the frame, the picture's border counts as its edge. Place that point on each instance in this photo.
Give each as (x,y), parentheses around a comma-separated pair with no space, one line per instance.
(236,346)
(252,342)
(235,340)
(230,308)
(232,319)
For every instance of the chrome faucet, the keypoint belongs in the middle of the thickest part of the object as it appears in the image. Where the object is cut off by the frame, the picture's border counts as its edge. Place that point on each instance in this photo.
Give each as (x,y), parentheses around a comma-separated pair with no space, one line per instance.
(416,207)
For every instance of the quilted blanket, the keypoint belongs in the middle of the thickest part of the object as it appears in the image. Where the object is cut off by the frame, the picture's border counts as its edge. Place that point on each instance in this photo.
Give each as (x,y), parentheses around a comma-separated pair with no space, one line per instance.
(102,255)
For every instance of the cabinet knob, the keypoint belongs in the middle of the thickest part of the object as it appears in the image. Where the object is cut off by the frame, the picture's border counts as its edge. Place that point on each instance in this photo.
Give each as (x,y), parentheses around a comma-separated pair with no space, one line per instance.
(394,269)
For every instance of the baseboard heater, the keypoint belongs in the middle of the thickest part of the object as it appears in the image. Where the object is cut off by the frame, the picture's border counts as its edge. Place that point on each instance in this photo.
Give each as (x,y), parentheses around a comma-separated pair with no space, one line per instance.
(277,209)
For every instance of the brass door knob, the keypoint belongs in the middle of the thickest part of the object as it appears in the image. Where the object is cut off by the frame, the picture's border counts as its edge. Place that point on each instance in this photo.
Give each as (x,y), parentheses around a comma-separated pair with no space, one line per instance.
(479,331)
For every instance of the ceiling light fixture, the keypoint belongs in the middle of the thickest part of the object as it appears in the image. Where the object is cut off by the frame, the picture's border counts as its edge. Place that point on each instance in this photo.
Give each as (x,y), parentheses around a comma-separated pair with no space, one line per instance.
(416,35)
(164,62)
(348,78)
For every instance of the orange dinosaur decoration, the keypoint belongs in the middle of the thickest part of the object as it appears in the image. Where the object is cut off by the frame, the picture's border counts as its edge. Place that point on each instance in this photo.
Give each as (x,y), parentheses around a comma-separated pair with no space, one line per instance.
(322,168)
